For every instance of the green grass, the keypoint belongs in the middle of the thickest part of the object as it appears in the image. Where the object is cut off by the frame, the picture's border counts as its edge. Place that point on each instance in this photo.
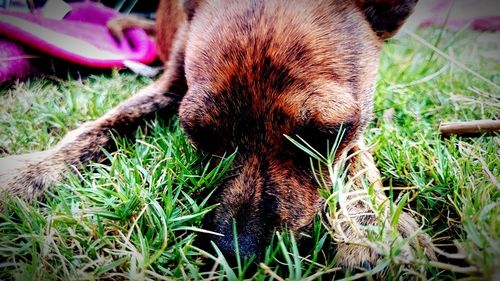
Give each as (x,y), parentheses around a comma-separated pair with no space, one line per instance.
(138,215)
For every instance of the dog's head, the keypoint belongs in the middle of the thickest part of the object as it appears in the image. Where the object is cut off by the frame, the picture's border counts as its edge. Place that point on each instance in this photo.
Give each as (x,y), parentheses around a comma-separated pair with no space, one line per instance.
(260,70)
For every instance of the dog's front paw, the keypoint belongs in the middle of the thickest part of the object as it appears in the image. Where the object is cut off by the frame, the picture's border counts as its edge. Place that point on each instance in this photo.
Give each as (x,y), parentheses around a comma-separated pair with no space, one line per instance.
(356,256)
(28,175)
(362,253)
(408,228)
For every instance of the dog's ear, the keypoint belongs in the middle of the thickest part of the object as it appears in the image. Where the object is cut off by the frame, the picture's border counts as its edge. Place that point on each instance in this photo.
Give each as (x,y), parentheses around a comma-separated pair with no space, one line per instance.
(386,16)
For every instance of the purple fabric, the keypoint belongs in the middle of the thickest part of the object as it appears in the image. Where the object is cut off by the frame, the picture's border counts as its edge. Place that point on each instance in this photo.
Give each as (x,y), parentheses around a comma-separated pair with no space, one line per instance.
(85,22)
(480,24)
(14,63)
(489,23)
(81,11)
(475,14)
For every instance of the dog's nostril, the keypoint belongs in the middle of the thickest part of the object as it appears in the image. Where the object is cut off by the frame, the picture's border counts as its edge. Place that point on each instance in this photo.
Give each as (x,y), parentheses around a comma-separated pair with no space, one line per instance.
(249,245)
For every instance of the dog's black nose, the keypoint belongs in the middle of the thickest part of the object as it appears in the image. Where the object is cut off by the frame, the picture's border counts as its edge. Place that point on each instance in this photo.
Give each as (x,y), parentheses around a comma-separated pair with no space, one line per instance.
(248,240)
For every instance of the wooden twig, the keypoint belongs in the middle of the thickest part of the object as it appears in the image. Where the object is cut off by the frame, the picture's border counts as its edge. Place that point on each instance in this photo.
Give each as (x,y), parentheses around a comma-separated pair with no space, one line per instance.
(470,128)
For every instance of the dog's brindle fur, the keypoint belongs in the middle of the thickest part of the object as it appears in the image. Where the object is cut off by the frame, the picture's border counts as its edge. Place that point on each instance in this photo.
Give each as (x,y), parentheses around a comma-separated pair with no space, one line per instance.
(242,74)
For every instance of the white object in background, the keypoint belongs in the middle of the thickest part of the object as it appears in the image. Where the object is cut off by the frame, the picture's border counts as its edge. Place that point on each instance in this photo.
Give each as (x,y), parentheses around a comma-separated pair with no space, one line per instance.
(141,69)
(55,9)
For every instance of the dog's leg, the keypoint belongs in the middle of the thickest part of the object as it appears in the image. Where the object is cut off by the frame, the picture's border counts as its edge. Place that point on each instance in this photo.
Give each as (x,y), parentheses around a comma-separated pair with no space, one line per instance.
(29,175)
(357,251)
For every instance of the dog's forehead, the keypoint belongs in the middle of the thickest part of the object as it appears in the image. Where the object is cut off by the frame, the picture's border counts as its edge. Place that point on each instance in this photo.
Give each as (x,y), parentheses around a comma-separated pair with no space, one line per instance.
(249,62)
(294,37)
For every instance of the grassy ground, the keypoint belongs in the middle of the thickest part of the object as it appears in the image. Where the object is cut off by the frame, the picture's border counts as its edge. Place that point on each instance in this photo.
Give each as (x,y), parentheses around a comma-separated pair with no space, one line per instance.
(137,216)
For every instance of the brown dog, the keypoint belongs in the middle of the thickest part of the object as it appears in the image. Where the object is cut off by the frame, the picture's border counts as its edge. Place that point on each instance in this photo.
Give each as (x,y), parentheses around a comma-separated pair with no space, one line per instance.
(242,74)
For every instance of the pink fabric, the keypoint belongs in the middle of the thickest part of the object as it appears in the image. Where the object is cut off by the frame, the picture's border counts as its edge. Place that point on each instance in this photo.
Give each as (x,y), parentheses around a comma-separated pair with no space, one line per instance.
(479,15)
(480,24)
(14,63)
(85,22)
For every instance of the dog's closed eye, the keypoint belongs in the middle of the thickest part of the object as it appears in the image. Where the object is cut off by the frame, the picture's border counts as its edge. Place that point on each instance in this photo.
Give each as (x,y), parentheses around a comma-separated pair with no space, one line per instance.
(205,138)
